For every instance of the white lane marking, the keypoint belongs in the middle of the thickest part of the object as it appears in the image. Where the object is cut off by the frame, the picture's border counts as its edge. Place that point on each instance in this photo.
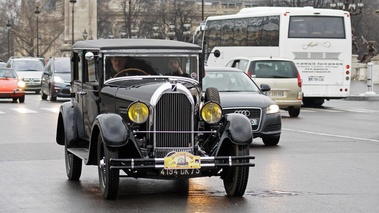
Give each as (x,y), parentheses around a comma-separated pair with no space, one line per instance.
(56,110)
(2,112)
(23,110)
(332,135)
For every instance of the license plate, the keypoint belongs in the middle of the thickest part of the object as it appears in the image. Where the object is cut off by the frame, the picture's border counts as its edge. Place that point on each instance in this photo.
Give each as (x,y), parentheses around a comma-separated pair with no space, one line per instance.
(276,93)
(179,172)
(254,121)
(182,160)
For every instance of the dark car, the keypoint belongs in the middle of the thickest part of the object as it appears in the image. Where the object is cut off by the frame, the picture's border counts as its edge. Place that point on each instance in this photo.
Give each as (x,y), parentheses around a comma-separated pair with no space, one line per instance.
(149,124)
(56,79)
(239,94)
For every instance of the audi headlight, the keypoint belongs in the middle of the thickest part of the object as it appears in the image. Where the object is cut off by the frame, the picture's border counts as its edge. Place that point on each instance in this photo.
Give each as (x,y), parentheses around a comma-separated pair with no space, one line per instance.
(273,109)
(138,112)
(211,112)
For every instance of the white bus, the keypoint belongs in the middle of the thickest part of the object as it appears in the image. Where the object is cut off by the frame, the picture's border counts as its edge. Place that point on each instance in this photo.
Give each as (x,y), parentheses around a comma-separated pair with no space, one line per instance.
(318,40)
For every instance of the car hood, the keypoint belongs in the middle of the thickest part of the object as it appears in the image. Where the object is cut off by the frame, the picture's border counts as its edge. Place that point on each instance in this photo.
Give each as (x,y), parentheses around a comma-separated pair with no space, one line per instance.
(142,89)
(8,84)
(65,76)
(29,74)
(244,99)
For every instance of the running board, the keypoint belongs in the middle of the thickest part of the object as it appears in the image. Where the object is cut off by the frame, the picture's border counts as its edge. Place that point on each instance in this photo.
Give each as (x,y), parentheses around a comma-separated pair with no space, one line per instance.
(82,153)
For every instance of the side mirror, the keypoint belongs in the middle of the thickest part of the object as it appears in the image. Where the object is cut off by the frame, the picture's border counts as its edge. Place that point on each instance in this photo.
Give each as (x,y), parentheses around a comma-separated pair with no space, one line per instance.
(265,87)
(217,53)
(89,56)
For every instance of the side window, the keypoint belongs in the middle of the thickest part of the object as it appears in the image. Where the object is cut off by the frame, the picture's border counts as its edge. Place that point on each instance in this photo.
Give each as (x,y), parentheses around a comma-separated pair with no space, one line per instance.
(91,70)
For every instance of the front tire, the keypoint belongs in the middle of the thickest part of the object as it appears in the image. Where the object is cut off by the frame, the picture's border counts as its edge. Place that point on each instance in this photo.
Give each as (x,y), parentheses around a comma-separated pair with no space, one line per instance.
(271,141)
(108,178)
(73,165)
(43,95)
(21,99)
(235,178)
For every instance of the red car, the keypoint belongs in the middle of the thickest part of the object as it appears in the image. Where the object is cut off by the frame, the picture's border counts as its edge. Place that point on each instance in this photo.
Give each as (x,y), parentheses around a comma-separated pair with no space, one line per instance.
(11,86)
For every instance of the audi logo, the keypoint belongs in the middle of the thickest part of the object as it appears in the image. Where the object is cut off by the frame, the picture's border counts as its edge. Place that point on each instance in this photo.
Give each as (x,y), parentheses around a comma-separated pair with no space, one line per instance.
(243,112)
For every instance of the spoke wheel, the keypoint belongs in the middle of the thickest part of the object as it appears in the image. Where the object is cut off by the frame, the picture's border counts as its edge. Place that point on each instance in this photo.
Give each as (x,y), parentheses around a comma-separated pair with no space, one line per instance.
(108,178)
(236,178)
(73,165)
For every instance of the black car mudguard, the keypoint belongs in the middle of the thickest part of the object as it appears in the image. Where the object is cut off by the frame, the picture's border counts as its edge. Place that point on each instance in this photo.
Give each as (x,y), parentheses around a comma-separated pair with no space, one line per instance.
(238,128)
(66,125)
(113,129)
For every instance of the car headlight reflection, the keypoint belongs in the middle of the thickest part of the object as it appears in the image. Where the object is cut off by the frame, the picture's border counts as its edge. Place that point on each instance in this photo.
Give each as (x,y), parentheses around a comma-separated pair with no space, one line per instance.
(211,112)
(21,84)
(58,79)
(273,109)
(138,112)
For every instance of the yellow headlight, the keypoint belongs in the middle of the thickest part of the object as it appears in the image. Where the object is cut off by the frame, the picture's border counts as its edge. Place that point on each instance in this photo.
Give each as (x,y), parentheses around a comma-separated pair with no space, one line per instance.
(138,112)
(211,112)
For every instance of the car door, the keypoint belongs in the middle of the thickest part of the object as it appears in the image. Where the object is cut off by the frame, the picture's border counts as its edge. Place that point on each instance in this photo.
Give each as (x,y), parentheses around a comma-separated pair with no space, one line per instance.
(89,93)
(46,76)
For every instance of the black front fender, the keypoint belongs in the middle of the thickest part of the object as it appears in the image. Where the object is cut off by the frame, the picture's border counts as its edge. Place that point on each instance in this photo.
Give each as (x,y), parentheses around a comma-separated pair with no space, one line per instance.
(238,129)
(66,129)
(113,129)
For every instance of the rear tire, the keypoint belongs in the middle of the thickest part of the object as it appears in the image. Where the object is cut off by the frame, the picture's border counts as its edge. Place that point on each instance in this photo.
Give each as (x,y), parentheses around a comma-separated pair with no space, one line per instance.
(108,178)
(235,178)
(294,112)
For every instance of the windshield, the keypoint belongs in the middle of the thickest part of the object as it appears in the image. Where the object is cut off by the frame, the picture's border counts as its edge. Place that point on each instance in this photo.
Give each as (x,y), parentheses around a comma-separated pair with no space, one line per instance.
(316,27)
(62,65)
(170,65)
(229,82)
(273,69)
(7,73)
(27,65)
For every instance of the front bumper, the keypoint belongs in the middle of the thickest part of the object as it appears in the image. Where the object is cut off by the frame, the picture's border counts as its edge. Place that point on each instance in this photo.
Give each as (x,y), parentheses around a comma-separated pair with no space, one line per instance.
(206,163)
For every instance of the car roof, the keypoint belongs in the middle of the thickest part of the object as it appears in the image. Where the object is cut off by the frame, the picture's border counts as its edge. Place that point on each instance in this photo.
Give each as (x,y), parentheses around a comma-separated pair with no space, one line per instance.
(222,69)
(113,44)
(25,58)
(253,58)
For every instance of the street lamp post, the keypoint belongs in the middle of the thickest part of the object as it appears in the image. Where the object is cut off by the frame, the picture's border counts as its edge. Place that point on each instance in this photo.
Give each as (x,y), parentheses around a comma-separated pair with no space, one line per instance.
(37,12)
(73,3)
(9,26)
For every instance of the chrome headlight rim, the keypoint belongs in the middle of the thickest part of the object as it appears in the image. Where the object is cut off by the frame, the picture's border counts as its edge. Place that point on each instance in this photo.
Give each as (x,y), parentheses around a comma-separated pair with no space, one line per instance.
(213,114)
(138,112)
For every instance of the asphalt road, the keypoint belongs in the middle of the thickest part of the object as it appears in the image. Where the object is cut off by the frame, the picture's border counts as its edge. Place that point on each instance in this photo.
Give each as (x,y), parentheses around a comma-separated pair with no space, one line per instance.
(326,161)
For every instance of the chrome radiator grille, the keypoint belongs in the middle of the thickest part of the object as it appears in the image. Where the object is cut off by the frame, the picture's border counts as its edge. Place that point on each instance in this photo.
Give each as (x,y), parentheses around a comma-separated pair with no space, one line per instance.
(173,116)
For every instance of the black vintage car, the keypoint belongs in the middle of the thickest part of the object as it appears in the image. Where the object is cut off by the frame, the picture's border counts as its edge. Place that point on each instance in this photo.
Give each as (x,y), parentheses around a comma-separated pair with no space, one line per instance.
(149,123)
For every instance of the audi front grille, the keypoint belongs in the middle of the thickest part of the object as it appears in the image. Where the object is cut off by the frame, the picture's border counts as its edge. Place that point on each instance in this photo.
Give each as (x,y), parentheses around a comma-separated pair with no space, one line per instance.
(173,123)
(252,113)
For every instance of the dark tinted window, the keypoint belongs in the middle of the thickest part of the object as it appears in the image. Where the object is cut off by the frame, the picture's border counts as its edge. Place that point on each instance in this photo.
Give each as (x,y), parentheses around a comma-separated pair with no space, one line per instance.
(273,69)
(316,27)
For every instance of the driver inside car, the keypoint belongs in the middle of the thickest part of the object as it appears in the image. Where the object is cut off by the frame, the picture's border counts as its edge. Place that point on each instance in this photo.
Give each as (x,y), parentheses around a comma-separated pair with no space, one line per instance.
(121,67)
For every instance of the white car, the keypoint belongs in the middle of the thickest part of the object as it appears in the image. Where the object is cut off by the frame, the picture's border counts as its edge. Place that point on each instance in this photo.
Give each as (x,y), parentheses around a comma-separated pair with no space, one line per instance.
(29,69)
(282,76)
